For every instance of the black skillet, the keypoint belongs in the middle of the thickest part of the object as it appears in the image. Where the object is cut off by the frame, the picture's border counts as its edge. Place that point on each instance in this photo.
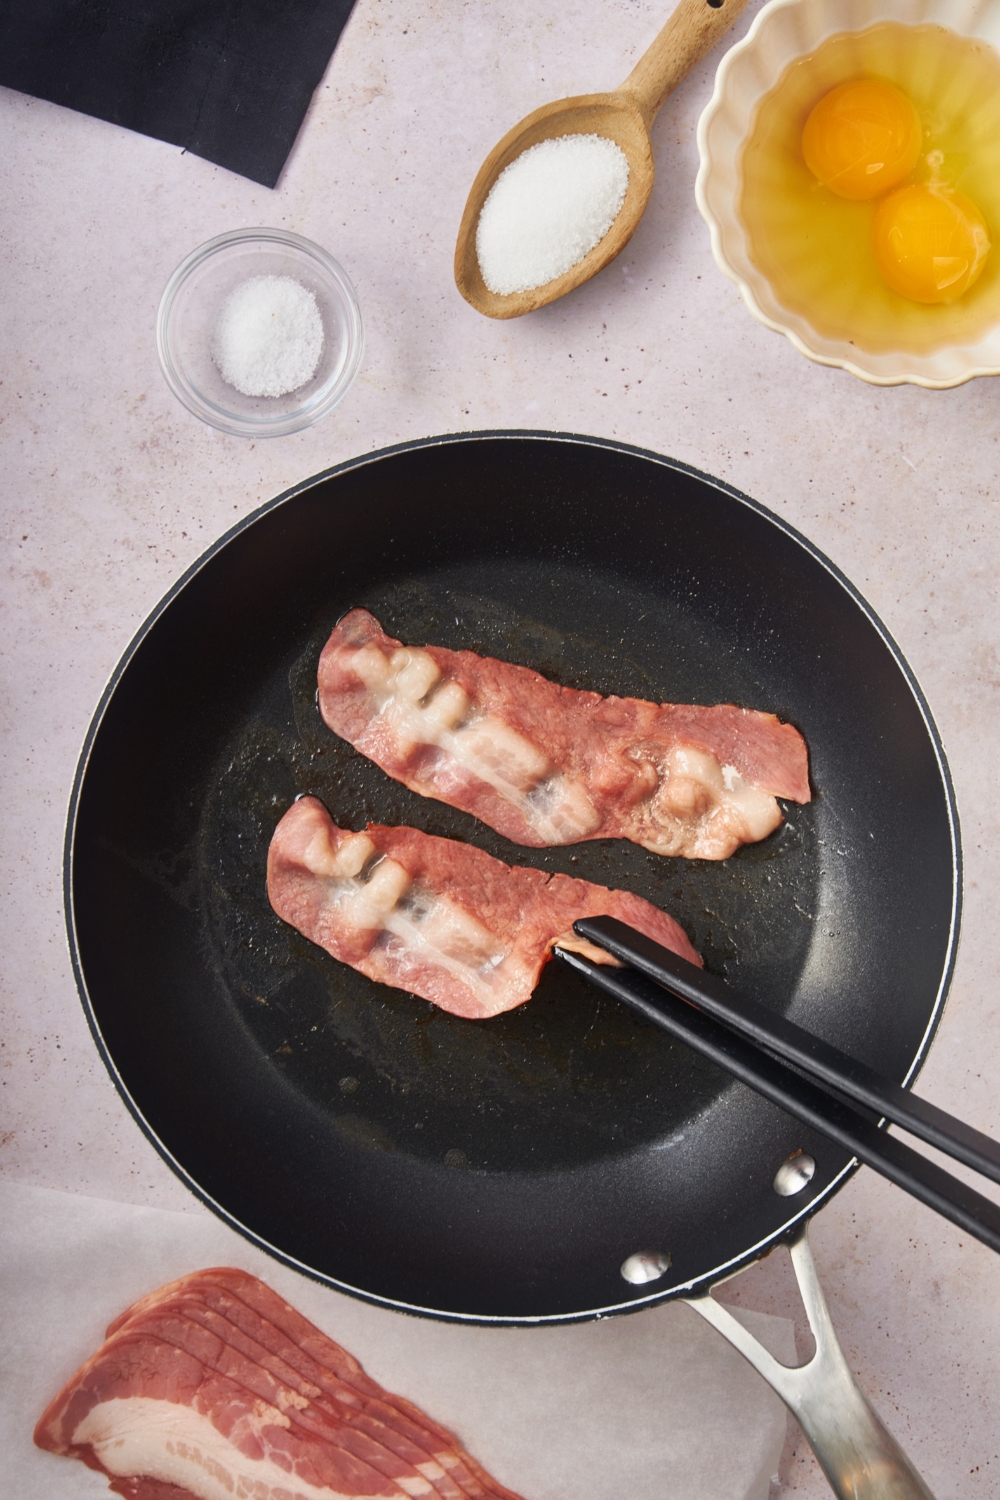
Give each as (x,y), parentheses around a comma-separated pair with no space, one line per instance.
(498,1170)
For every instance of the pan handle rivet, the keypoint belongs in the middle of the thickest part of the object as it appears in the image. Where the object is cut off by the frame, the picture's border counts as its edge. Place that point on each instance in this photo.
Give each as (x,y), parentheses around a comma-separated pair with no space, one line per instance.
(794,1174)
(645,1265)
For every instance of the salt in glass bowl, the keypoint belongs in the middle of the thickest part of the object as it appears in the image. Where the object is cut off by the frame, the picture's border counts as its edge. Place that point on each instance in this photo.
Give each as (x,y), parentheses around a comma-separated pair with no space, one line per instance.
(190,306)
(783,31)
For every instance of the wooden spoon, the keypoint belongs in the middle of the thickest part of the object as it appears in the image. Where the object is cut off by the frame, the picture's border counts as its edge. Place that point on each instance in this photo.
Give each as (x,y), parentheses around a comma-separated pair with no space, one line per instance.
(626,117)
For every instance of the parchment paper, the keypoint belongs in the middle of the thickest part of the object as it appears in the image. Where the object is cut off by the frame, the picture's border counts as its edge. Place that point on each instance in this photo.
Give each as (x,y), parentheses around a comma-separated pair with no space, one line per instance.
(653,1406)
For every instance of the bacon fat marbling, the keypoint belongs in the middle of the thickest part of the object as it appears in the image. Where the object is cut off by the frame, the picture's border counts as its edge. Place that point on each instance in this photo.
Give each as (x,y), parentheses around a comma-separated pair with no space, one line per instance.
(544,764)
(436,917)
(214,1388)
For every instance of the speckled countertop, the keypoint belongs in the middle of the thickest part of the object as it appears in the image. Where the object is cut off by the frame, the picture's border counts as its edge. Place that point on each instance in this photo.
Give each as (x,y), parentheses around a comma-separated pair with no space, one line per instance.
(110,490)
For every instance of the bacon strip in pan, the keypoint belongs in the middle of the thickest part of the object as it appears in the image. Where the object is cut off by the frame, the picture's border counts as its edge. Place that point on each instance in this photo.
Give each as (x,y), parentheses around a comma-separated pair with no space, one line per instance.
(213,1388)
(438,918)
(544,764)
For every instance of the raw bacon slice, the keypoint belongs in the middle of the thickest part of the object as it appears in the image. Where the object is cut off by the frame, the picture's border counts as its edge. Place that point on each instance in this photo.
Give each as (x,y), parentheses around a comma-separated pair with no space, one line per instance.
(213,1388)
(544,764)
(316,1367)
(436,917)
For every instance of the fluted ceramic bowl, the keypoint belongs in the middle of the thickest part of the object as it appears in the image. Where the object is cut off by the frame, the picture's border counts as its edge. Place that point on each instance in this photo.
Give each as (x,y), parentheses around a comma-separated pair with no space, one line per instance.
(784,31)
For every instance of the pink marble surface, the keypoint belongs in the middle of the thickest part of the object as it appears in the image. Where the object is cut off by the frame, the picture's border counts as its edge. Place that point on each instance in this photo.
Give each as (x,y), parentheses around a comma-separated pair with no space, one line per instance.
(111,489)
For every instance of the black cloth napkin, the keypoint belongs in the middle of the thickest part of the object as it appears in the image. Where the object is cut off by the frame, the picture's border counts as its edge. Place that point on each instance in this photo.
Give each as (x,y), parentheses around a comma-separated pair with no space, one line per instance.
(229,80)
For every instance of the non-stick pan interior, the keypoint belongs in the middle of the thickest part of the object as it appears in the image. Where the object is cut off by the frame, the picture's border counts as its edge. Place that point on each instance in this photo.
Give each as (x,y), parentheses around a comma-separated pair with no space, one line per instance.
(502,1168)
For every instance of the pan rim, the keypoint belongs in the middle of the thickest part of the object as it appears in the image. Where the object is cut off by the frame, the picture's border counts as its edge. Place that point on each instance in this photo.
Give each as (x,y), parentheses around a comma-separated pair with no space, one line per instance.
(725,1270)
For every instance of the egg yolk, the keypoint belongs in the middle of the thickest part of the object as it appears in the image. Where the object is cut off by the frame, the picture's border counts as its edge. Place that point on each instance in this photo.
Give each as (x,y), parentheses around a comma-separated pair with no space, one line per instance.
(862,138)
(930,244)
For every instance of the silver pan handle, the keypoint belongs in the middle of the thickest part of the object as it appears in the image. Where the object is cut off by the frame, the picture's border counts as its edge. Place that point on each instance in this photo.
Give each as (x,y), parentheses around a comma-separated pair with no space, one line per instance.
(859,1457)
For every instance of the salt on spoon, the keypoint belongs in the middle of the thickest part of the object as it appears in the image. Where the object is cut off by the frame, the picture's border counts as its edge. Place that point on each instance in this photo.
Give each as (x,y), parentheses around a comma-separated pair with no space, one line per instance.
(268,337)
(623,118)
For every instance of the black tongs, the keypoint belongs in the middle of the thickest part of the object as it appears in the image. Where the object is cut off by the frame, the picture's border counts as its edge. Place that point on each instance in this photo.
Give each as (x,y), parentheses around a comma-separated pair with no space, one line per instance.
(808,1077)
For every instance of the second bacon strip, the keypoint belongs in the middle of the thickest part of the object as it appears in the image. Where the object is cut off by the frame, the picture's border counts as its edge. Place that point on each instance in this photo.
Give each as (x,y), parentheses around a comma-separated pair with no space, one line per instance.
(544,764)
(438,918)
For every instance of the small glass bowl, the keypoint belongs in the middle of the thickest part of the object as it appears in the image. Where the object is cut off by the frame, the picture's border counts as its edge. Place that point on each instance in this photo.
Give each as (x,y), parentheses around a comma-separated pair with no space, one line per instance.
(191,303)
